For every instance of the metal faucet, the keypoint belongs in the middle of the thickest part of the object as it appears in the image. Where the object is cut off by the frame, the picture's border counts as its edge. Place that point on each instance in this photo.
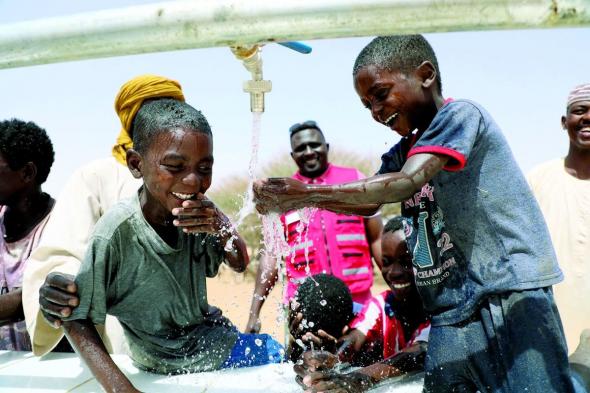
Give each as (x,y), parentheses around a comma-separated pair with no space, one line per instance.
(250,57)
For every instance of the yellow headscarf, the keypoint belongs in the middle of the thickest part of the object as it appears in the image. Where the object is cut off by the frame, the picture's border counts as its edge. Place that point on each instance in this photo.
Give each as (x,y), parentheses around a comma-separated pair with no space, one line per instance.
(130,98)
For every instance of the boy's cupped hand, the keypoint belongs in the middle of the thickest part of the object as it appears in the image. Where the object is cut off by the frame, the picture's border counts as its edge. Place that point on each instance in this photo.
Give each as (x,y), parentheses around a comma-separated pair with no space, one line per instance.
(200,215)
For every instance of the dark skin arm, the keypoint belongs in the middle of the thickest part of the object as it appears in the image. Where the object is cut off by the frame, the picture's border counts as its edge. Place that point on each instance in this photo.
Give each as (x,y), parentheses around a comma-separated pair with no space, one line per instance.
(266,278)
(11,307)
(85,339)
(321,380)
(373,229)
(362,197)
(202,215)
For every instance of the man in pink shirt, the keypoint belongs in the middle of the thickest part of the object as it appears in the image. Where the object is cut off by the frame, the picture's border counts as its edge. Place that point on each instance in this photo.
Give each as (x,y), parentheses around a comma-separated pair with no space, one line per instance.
(331,243)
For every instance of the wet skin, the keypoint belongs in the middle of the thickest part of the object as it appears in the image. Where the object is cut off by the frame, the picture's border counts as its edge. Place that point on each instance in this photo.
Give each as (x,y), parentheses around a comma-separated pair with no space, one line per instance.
(309,150)
(177,171)
(414,99)
(397,270)
(398,100)
(314,371)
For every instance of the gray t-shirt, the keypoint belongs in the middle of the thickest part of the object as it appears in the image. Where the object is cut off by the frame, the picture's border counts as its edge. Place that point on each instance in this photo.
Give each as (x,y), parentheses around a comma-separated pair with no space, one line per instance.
(476,228)
(157,292)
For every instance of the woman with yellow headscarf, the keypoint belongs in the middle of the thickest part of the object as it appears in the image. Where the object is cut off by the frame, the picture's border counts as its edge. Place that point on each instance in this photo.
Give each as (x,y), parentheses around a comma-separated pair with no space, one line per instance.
(91,191)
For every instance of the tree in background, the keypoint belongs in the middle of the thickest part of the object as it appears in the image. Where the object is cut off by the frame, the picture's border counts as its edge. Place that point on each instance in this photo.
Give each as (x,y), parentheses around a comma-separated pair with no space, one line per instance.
(229,195)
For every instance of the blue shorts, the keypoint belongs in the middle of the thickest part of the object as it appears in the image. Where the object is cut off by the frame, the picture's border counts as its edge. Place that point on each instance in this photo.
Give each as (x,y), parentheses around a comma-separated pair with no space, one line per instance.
(254,350)
(513,343)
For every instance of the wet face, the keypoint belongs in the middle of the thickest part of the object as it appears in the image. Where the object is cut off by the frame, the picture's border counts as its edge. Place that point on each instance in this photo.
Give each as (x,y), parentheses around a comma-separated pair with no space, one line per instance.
(397,268)
(309,150)
(396,99)
(577,124)
(177,166)
(11,182)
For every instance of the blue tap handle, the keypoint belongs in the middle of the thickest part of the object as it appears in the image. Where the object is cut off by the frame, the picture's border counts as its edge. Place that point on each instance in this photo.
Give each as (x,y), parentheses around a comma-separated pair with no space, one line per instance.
(296,46)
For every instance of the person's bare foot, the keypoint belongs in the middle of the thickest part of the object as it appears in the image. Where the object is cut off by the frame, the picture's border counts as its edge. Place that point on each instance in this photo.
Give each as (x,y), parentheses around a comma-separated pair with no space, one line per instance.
(580,359)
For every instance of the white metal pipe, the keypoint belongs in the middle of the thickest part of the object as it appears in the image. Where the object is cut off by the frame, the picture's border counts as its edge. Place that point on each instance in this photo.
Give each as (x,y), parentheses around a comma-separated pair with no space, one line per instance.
(209,23)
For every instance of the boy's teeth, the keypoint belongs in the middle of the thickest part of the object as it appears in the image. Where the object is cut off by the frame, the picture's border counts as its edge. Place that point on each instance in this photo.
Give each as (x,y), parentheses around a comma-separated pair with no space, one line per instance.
(183,196)
(390,118)
(401,286)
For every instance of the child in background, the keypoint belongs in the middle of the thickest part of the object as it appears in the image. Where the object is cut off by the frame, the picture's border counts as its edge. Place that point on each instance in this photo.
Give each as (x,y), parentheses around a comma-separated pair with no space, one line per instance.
(483,258)
(149,256)
(394,321)
(26,156)
(322,305)
(395,317)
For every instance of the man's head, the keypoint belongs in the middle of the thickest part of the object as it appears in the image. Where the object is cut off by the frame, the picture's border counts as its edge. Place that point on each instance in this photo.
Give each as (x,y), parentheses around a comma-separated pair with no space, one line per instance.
(26,156)
(397,267)
(577,118)
(326,304)
(129,100)
(173,153)
(309,149)
(397,78)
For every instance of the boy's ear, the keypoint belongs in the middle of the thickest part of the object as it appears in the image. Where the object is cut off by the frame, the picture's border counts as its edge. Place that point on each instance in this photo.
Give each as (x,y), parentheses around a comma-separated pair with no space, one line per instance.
(28,172)
(134,163)
(427,74)
(563,125)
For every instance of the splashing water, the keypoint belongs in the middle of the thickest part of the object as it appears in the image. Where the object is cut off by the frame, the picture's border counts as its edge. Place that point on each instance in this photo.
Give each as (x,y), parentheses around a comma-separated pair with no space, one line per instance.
(248,206)
(305,215)
(274,237)
(248,199)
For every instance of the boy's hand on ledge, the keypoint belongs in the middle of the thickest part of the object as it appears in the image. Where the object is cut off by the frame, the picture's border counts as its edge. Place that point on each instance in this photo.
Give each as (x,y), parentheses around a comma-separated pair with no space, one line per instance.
(58,296)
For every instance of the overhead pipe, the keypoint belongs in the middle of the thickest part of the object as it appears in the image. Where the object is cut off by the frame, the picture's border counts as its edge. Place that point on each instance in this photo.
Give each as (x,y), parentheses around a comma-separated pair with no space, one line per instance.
(211,23)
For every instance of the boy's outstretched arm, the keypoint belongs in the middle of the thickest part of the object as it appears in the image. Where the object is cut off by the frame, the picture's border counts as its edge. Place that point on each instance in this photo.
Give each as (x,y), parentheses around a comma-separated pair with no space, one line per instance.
(85,339)
(361,197)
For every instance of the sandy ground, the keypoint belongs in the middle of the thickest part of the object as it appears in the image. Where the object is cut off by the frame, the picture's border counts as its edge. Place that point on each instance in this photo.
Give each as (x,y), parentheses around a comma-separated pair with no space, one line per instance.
(232,293)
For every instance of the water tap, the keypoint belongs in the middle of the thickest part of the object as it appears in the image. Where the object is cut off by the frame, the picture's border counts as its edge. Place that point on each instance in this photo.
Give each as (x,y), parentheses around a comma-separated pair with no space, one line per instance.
(250,57)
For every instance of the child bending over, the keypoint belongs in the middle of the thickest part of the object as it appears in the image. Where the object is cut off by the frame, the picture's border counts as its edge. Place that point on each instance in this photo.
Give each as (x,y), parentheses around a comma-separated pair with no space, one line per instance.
(149,257)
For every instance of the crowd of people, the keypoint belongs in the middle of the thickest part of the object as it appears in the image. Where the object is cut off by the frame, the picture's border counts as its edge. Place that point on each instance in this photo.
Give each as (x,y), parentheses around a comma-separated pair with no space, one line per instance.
(485,266)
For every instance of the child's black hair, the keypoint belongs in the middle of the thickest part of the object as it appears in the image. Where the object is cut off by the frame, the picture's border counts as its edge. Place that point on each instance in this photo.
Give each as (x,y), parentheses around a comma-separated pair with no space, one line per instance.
(397,53)
(161,115)
(394,224)
(325,302)
(22,142)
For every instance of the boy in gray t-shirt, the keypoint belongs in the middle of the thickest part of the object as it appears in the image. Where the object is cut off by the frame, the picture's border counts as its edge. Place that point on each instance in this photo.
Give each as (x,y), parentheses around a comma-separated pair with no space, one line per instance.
(482,256)
(149,257)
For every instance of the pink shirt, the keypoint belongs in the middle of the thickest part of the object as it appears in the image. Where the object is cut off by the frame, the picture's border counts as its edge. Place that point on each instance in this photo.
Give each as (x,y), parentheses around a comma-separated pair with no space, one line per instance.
(378,322)
(331,243)
(13,257)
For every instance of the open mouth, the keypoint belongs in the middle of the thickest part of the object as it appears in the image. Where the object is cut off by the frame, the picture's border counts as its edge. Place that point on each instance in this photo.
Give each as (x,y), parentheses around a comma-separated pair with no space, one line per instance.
(389,121)
(401,285)
(184,197)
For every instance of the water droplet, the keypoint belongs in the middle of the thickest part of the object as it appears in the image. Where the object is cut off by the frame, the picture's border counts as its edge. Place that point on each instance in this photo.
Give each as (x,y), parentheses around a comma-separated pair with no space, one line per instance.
(323,302)
(258,342)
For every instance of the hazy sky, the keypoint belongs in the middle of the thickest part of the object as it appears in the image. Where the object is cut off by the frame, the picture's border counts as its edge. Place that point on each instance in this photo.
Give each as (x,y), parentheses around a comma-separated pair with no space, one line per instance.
(521,77)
